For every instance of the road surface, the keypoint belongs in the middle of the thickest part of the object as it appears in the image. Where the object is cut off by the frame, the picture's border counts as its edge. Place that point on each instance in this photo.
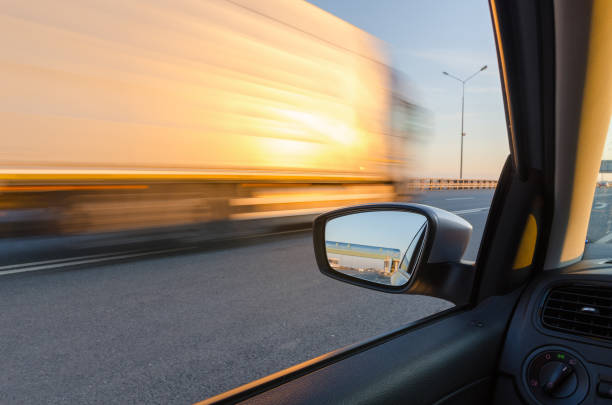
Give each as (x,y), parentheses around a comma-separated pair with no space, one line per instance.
(178,328)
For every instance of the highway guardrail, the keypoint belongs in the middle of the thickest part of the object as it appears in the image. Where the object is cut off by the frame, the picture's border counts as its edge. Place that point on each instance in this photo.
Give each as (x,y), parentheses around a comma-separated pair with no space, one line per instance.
(450,184)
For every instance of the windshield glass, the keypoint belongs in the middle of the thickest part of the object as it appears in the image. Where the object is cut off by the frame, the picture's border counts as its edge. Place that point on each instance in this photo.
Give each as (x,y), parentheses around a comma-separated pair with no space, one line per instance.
(599,233)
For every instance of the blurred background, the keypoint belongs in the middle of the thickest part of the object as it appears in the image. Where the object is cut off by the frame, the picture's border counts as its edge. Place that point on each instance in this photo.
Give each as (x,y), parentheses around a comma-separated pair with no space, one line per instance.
(215,118)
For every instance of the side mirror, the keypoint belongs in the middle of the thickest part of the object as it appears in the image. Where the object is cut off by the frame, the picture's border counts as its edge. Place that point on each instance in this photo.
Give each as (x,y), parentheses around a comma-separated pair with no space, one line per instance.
(397,248)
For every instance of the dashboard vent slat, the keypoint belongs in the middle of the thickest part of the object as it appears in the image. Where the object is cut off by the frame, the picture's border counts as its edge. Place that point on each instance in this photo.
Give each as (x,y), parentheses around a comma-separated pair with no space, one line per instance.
(579,310)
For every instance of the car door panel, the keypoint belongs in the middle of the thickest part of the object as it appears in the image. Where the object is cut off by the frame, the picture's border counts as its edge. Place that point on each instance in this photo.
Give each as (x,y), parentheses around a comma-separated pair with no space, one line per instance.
(448,360)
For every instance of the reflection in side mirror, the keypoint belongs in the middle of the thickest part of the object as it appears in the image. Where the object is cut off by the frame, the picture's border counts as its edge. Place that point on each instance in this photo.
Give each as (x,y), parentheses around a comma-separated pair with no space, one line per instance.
(396,248)
(381,247)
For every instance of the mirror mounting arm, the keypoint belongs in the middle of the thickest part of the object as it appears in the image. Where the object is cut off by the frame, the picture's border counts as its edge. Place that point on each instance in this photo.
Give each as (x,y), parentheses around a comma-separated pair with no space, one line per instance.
(451,281)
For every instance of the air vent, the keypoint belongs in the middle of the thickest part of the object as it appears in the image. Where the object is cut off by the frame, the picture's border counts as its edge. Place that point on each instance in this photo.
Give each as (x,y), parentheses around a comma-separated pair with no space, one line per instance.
(580,310)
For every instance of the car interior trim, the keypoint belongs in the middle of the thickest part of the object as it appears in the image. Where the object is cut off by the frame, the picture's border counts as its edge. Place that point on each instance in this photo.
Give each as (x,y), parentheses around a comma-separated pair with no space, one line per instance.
(583,114)
(279,378)
(593,129)
(399,370)
(524,256)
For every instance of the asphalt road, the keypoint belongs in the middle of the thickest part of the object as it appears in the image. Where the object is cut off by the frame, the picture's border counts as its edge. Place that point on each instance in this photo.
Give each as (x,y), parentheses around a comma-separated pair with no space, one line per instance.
(182,327)
(600,226)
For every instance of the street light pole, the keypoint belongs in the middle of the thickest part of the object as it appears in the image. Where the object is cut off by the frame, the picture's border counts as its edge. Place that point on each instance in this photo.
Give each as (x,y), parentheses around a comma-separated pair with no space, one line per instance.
(463,82)
(462,133)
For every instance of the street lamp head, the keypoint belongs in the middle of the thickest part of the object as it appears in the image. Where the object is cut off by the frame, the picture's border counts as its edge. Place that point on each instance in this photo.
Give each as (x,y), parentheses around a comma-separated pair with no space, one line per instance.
(445,73)
(483,68)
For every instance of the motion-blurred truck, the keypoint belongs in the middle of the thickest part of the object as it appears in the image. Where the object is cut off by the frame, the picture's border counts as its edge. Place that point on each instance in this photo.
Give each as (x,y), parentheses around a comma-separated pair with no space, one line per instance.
(121,115)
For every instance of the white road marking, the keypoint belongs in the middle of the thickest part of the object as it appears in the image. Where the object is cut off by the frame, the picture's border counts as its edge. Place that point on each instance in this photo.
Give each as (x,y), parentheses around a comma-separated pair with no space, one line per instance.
(99,258)
(459,198)
(470,211)
(66,259)
(27,267)
(605,239)
(600,205)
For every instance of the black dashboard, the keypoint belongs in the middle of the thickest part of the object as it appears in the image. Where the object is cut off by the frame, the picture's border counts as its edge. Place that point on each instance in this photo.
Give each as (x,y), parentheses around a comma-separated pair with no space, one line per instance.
(558,348)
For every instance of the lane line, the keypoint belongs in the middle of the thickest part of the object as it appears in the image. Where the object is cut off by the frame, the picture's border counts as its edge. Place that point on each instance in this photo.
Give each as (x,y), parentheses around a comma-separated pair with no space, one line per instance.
(98,258)
(103,257)
(87,261)
(470,211)
(65,259)
(604,239)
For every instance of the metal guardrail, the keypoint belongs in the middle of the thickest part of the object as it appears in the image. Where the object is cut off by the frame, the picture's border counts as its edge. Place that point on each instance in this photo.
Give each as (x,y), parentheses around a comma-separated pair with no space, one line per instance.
(450,184)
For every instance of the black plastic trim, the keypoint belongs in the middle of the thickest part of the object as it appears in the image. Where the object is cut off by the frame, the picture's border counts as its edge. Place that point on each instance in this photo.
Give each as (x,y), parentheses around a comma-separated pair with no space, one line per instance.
(537,320)
(526,334)
(451,281)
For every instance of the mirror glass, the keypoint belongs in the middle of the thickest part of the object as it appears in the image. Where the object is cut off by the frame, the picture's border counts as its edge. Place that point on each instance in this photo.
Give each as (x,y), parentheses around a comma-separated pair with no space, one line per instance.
(377,246)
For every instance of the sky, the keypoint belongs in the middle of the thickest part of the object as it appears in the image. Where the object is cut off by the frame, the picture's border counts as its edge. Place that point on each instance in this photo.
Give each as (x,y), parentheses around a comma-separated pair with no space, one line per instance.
(424,38)
(379,228)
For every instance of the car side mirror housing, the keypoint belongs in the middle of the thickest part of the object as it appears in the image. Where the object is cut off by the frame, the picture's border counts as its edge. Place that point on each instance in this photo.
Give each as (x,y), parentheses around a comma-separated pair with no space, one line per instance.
(396,248)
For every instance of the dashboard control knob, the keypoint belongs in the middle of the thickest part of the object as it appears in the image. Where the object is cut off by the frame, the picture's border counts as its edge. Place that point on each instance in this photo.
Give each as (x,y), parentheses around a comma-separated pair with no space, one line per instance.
(555,375)
(558,379)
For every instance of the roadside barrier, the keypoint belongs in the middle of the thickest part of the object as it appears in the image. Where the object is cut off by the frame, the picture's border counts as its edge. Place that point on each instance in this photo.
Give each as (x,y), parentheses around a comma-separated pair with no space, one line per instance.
(450,184)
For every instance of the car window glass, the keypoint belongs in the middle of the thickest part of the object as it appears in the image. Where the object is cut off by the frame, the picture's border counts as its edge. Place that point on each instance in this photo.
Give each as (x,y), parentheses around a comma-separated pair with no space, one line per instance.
(162,163)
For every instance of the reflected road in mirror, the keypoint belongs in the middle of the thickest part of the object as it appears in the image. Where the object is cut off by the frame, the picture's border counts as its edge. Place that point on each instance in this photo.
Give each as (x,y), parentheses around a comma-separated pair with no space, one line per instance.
(379,246)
